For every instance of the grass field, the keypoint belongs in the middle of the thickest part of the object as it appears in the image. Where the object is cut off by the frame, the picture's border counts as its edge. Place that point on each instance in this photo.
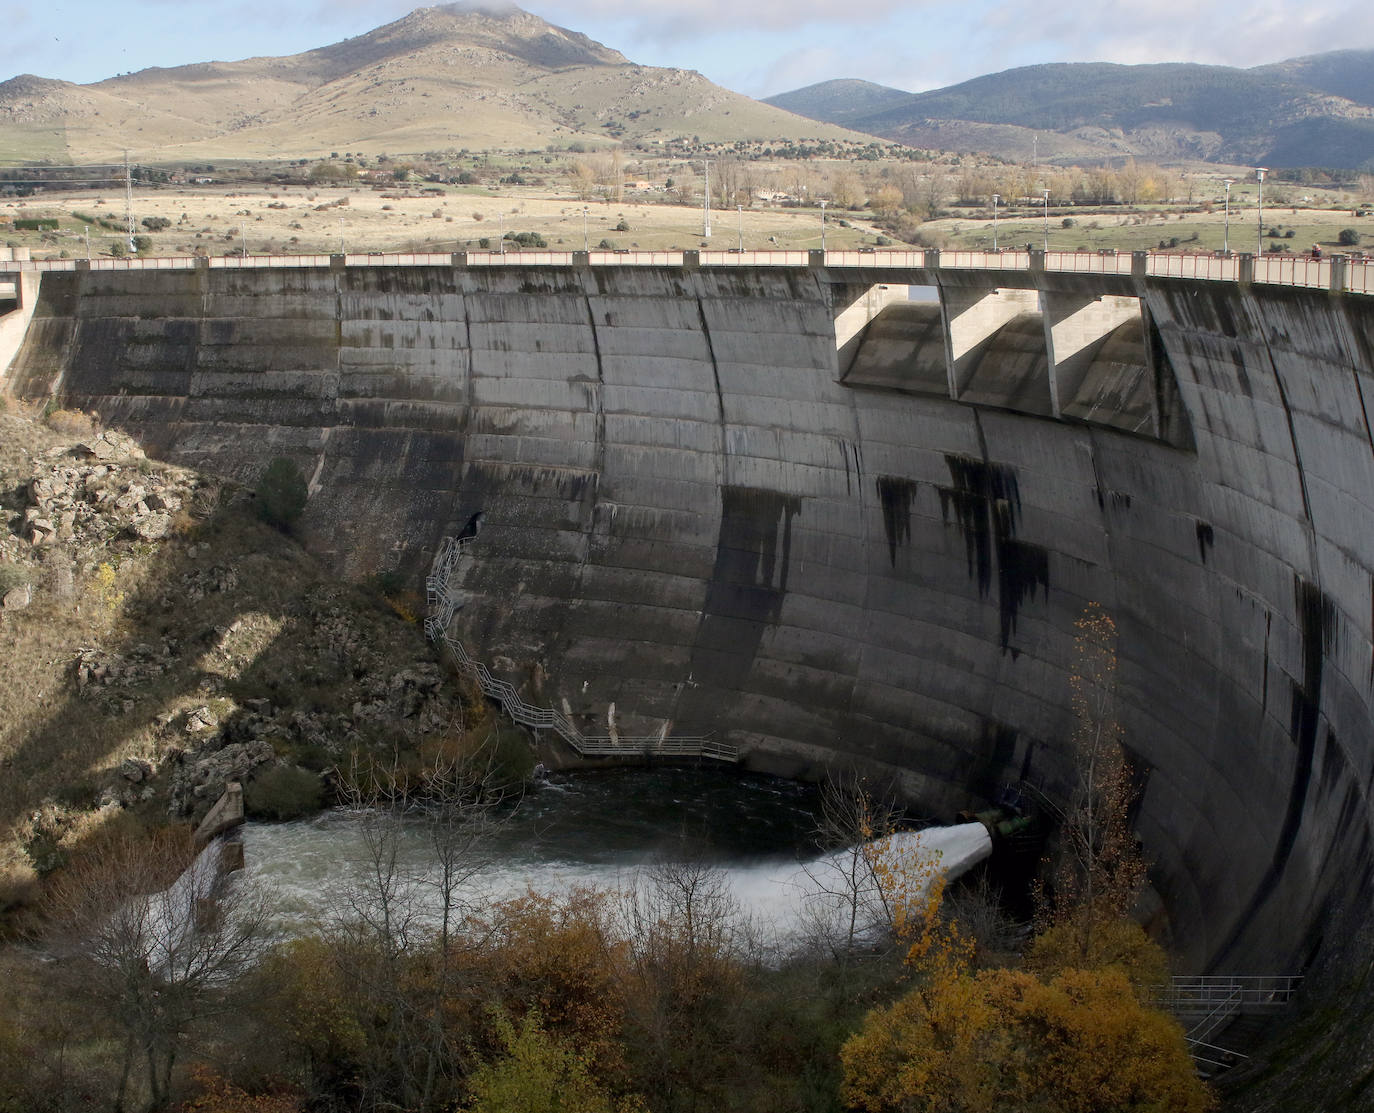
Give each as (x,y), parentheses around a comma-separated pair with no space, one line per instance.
(219,220)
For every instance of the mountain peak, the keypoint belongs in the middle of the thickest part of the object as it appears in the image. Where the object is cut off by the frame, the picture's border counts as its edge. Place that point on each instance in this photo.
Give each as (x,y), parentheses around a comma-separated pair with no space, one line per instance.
(493,25)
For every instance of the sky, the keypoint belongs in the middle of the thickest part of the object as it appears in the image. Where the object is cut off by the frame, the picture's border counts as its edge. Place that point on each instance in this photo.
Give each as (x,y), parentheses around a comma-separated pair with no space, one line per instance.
(756,47)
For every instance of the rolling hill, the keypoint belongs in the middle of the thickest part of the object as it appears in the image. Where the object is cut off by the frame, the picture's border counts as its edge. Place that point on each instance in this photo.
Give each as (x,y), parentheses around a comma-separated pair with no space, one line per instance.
(1308,111)
(439,78)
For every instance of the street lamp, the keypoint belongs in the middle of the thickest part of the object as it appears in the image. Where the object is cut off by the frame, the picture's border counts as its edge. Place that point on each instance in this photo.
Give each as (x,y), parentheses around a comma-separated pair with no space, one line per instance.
(1046,194)
(1226,237)
(741,228)
(823,223)
(1260,171)
(501,230)
(995,199)
(584,227)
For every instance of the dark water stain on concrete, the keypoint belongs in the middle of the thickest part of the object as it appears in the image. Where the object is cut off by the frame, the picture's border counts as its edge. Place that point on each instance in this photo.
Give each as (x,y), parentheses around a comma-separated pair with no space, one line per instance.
(748,583)
(895,496)
(985,500)
(1205,539)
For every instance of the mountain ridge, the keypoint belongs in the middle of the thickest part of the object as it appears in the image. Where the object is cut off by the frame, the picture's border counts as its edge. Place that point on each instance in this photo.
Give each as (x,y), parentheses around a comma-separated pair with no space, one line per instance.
(1073,110)
(438,78)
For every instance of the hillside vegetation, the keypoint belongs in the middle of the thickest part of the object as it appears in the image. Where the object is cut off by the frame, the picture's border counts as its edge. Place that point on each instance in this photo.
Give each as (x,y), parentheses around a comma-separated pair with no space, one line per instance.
(1316,111)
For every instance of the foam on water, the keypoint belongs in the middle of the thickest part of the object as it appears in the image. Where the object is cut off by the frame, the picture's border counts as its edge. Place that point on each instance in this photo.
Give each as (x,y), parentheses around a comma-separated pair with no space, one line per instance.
(309,863)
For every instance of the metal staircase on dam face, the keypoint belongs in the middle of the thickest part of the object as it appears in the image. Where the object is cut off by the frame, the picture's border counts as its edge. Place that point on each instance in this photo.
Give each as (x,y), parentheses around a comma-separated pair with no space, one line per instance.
(443,605)
(1215,1007)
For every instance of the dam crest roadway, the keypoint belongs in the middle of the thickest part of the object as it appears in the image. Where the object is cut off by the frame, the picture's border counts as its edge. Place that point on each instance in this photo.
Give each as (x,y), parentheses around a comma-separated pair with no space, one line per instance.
(769,499)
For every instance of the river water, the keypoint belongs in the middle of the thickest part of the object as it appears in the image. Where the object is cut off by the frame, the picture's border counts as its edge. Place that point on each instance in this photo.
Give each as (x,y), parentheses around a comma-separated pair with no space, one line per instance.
(598,829)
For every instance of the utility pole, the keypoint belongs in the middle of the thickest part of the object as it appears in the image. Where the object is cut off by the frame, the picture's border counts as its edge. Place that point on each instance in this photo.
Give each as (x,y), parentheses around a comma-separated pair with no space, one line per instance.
(706,203)
(741,228)
(995,198)
(1260,171)
(823,203)
(1226,235)
(129,200)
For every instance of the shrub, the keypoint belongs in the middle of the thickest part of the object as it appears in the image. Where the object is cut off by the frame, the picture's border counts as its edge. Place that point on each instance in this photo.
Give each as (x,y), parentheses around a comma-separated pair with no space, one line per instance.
(1348,237)
(70,423)
(623,226)
(12,576)
(155,223)
(1067,222)
(281,493)
(283,792)
(143,244)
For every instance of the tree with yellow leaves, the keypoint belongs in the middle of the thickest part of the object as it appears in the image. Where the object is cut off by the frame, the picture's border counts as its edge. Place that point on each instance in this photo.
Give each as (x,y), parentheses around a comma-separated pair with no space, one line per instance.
(1004,1039)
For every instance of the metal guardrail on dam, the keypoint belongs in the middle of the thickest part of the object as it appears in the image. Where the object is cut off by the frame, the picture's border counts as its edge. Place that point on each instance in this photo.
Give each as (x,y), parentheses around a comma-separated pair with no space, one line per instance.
(442,607)
(1349,273)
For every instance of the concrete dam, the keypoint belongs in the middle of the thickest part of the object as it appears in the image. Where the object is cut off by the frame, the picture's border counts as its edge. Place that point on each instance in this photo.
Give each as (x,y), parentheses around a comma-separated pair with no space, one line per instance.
(786,507)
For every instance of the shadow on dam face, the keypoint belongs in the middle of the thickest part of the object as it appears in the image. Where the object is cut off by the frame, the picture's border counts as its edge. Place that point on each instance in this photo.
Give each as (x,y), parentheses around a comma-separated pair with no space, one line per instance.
(696,514)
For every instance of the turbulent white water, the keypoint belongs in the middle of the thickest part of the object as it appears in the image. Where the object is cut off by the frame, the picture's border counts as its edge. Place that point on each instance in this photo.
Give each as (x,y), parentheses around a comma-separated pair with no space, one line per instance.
(602,832)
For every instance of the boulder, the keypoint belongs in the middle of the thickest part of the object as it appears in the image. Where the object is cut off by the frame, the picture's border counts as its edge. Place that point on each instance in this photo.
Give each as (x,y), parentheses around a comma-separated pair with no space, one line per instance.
(17,598)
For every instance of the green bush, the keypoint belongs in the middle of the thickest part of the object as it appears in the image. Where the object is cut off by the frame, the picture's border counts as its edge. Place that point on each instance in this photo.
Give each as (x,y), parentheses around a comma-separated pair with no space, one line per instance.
(281,493)
(1348,237)
(283,792)
(155,223)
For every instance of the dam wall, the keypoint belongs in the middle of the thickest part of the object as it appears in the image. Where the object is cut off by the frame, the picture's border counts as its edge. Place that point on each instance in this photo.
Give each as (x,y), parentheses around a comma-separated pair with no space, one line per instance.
(697,520)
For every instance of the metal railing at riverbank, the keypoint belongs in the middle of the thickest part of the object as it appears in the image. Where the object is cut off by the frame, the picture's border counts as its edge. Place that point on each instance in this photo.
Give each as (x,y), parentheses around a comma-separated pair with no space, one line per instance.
(443,605)
(1340,273)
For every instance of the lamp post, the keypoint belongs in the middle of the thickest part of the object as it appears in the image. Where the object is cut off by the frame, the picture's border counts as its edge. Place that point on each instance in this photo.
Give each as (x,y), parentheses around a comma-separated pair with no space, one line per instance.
(501,233)
(741,228)
(584,227)
(1046,194)
(823,223)
(1226,236)
(1260,171)
(995,199)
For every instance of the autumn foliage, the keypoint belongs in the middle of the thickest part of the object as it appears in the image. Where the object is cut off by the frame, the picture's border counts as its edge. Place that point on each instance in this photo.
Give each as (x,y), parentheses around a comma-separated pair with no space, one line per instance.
(1004,1039)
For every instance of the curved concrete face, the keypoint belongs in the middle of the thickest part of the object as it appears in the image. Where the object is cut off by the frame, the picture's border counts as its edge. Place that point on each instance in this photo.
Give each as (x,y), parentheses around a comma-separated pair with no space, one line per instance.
(691,523)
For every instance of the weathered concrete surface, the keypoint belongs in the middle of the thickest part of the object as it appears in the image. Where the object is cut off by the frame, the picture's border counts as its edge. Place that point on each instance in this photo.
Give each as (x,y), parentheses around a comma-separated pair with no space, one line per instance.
(690,517)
